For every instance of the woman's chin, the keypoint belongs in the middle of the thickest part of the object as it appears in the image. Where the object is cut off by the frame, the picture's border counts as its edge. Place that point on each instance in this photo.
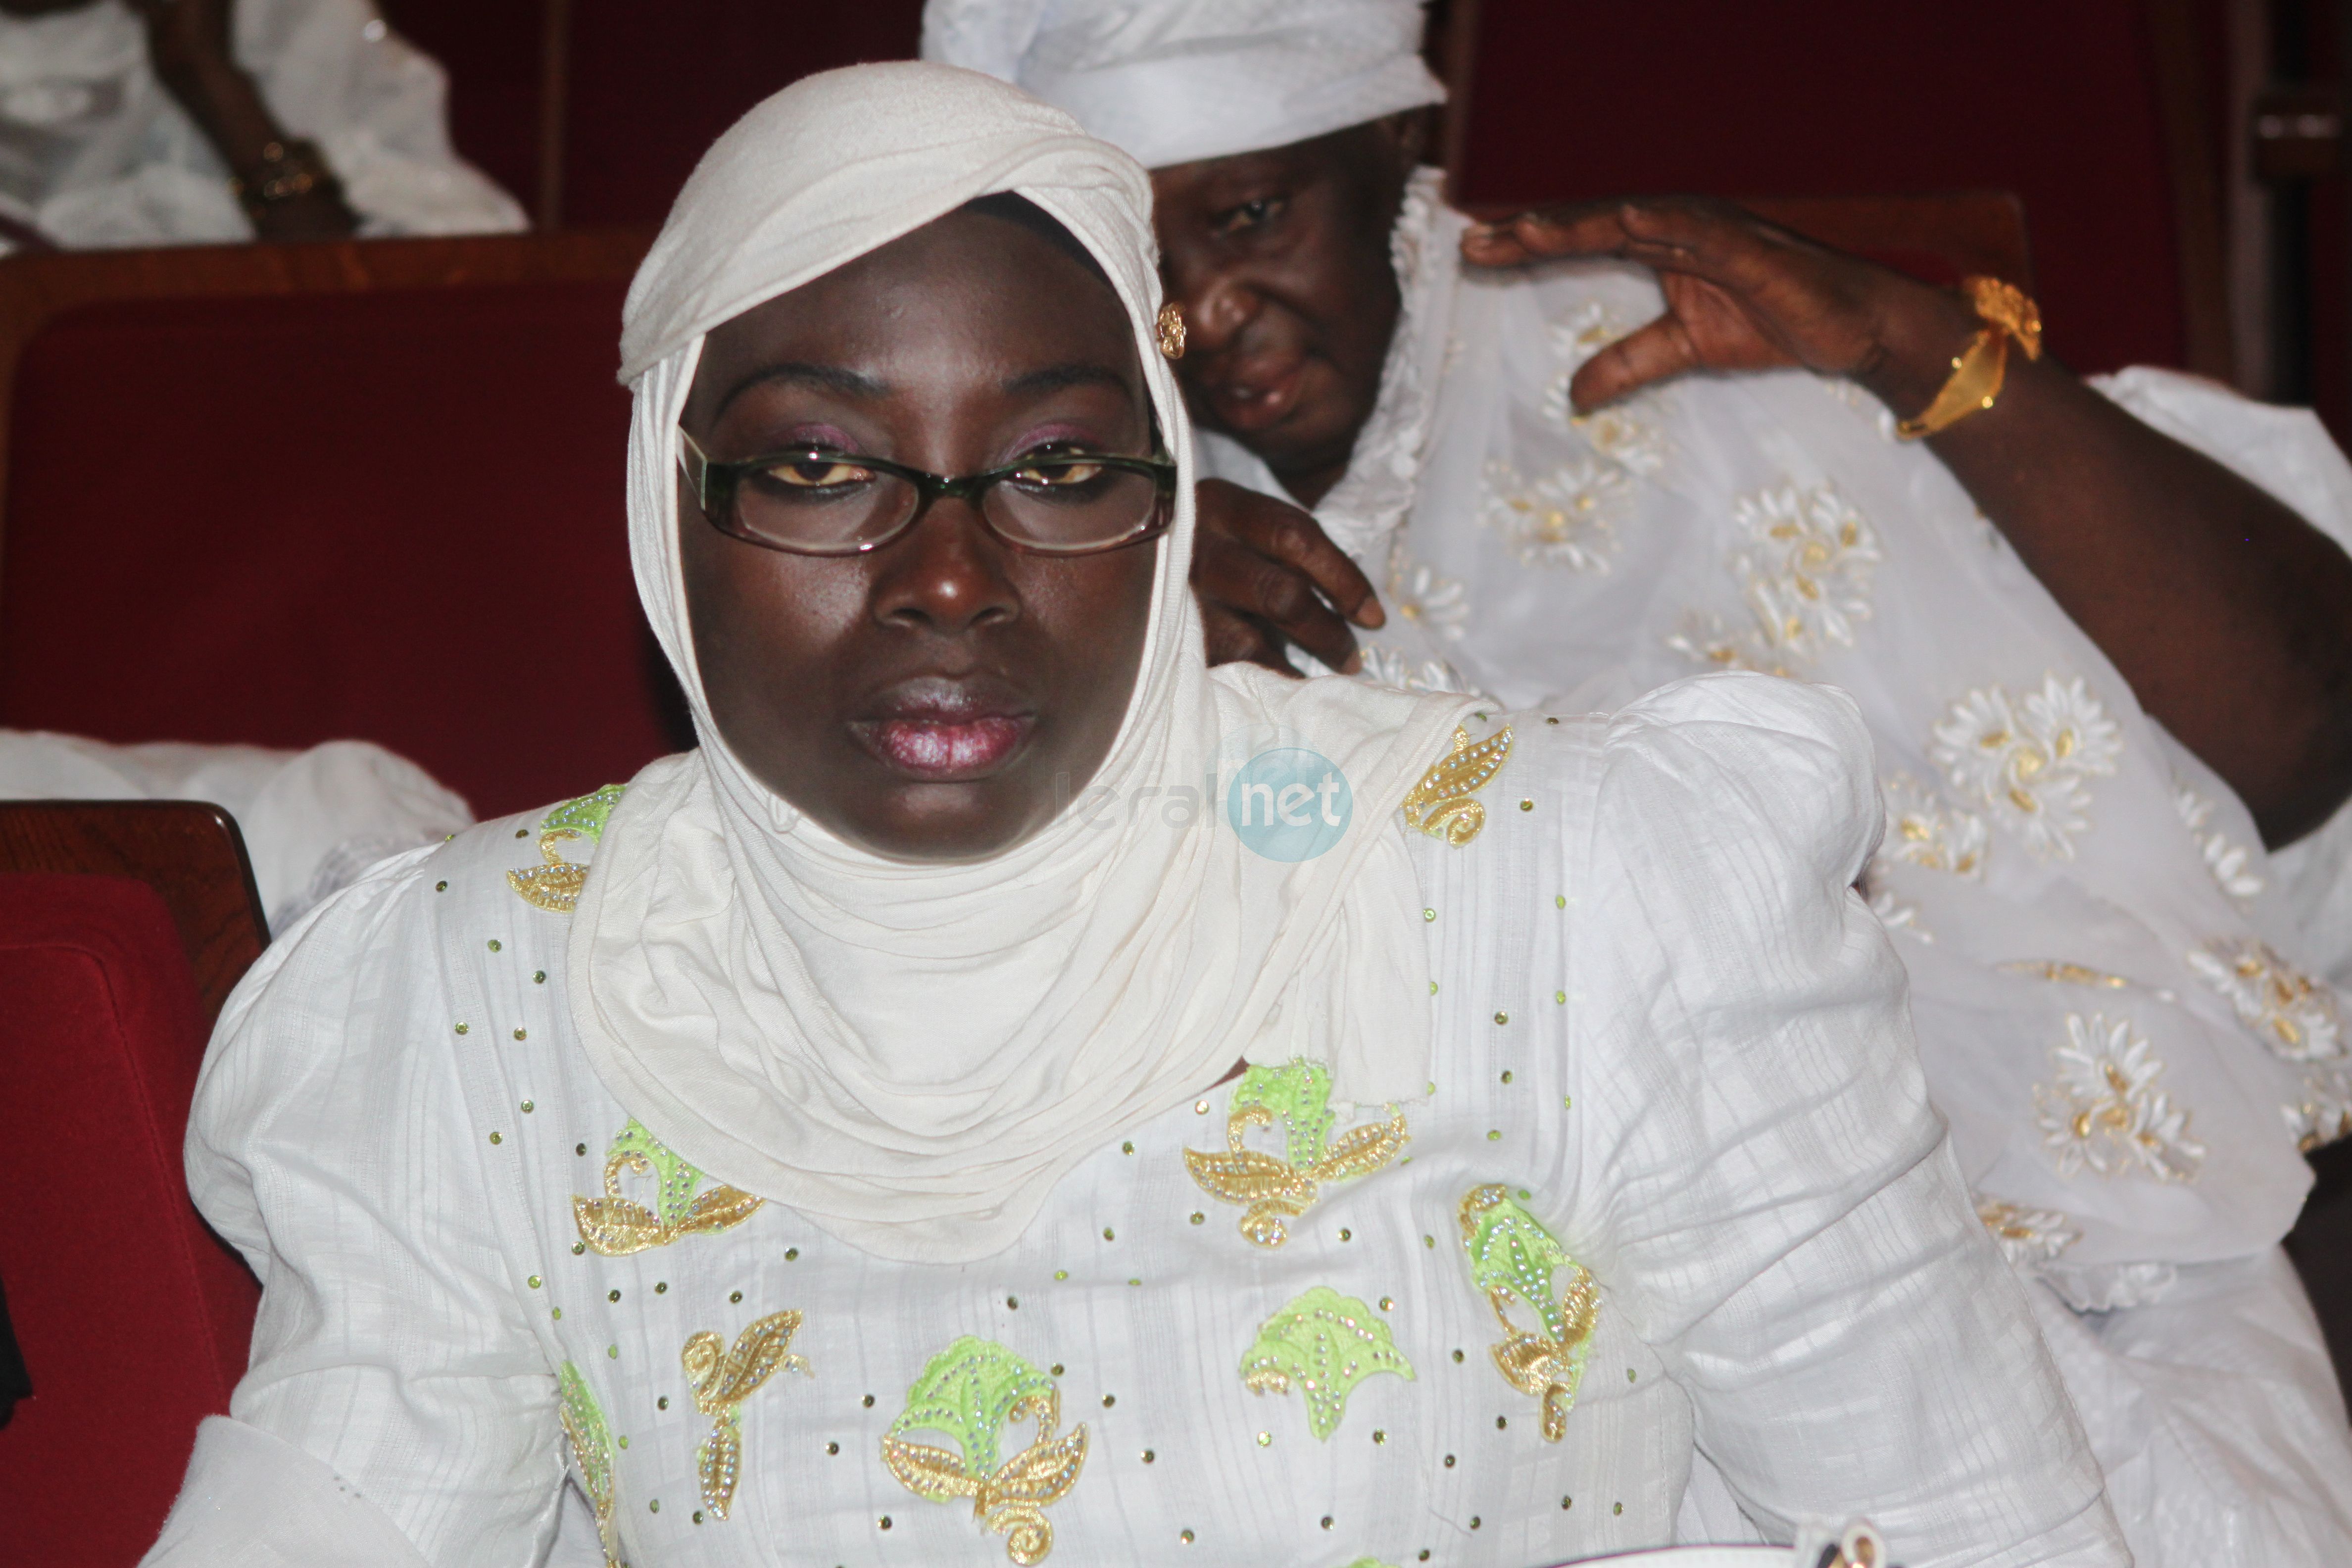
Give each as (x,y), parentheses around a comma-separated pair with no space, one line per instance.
(942,823)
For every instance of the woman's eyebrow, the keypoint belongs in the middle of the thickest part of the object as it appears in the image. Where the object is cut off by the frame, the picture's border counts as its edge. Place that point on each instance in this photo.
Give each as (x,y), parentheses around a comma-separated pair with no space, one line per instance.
(832,377)
(1055,377)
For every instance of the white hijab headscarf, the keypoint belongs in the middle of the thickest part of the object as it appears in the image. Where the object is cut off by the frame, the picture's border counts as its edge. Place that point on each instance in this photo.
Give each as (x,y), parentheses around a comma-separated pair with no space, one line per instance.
(913,1053)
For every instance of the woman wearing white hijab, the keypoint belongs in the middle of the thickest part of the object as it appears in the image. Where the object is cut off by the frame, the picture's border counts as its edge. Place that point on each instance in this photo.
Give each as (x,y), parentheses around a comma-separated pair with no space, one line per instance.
(1579,1192)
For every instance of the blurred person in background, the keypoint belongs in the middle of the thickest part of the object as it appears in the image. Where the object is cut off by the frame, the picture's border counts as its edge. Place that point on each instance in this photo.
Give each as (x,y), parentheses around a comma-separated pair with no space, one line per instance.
(312,821)
(2101,631)
(139,122)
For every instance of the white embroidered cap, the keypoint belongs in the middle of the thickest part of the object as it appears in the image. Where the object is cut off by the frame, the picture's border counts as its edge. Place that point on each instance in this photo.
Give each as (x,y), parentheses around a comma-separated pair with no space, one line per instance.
(1174,80)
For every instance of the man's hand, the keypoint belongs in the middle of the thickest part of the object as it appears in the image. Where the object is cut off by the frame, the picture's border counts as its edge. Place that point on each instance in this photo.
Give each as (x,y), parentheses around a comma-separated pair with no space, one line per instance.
(1266,574)
(1741,294)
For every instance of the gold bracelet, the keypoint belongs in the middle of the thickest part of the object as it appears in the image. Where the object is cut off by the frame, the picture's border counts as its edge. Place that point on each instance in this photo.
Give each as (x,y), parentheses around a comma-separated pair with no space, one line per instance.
(1979,369)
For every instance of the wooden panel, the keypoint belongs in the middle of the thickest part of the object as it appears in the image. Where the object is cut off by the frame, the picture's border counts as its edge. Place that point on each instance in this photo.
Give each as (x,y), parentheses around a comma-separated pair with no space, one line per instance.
(190,852)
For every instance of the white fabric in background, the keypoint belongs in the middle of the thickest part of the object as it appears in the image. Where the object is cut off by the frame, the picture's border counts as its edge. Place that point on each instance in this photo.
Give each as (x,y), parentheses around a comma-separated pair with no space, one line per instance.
(914,1053)
(1174,80)
(312,821)
(95,152)
(1660,1014)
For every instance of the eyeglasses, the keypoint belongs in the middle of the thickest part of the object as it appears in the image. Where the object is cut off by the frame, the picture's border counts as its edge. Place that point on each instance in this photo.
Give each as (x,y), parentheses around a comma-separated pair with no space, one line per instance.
(809,501)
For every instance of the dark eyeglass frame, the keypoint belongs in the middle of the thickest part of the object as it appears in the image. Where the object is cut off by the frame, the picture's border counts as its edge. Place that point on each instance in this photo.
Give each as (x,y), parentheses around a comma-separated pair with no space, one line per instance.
(715,485)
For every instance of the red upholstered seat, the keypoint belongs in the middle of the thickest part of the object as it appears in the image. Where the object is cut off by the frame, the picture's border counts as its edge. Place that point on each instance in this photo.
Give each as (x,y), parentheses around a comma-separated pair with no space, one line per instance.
(132,1316)
(394,514)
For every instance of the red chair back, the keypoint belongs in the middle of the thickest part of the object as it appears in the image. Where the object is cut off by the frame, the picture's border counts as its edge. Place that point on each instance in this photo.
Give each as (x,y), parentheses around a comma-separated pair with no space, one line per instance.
(370,491)
(134,1318)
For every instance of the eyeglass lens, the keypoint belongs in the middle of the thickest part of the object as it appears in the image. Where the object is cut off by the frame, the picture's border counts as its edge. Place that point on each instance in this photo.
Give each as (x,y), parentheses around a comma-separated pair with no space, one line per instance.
(832,505)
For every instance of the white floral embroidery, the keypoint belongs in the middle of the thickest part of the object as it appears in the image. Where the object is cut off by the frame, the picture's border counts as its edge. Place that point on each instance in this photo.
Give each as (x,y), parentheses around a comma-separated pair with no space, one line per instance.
(1627,432)
(1585,331)
(2225,861)
(1565,518)
(2028,760)
(1386,667)
(2324,1114)
(1854,397)
(2110,1287)
(2027,1237)
(1705,638)
(1418,594)
(2286,1009)
(1805,571)
(1897,915)
(1923,830)
(2105,1111)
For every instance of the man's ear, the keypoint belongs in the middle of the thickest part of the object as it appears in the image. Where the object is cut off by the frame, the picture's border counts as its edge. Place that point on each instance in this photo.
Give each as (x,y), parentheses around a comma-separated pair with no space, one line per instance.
(1408,133)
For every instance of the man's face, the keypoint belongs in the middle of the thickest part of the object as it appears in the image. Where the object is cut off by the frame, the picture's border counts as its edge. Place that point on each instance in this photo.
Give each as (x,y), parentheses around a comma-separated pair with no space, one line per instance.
(1280,260)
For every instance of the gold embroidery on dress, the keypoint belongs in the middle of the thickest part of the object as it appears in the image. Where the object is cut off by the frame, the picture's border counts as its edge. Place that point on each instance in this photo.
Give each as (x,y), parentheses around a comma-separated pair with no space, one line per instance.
(2105,1113)
(592,1452)
(1440,805)
(2059,973)
(1512,1258)
(723,1380)
(1323,1343)
(1298,1095)
(970,1392)
(555,886)
(616,1226)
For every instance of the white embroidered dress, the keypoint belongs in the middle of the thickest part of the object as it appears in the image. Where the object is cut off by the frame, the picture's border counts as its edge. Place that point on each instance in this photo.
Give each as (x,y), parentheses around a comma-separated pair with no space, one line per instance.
(1677,1168)
(2109,983)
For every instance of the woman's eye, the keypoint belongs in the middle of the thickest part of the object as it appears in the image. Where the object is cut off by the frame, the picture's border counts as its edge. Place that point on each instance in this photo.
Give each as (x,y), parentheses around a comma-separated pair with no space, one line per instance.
(1063,471)
(818,472)
(1252,213)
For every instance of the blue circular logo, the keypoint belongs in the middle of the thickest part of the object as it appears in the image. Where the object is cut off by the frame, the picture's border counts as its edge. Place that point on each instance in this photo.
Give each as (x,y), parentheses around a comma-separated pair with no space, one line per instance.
(1290,804)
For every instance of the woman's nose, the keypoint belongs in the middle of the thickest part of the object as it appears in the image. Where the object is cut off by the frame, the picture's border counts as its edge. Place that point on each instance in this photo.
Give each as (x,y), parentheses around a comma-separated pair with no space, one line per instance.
(946,575)
(1217,306)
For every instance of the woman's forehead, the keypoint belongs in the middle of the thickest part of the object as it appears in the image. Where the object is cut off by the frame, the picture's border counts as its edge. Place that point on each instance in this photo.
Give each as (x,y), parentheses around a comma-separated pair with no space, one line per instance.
(967,292)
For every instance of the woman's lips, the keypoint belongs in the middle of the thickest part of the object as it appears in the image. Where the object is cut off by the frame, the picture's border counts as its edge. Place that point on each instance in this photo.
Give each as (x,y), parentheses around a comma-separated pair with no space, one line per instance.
(1259,399)
(944,749)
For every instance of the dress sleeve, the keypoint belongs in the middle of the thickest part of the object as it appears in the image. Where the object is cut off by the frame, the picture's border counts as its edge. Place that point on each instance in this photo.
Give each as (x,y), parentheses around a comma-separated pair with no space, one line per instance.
(1765,1190)
(393,1378)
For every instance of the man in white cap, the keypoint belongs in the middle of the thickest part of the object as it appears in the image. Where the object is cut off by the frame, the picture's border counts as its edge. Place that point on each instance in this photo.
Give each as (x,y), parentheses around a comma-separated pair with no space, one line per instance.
(2101,631)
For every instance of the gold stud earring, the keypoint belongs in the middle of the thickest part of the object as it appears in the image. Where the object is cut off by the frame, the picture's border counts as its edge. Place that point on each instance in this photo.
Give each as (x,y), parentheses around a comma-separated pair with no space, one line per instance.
(1170,330)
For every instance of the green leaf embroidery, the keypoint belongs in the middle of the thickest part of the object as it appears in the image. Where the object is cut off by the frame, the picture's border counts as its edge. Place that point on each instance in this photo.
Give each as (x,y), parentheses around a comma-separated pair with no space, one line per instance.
(1298,1095)
(1513,1259)
(968,1391)
(591,1450)
(1323,1343)
(616,1225)
(1508,1250)
(673,1179)
(1275,1191)
(586,814)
